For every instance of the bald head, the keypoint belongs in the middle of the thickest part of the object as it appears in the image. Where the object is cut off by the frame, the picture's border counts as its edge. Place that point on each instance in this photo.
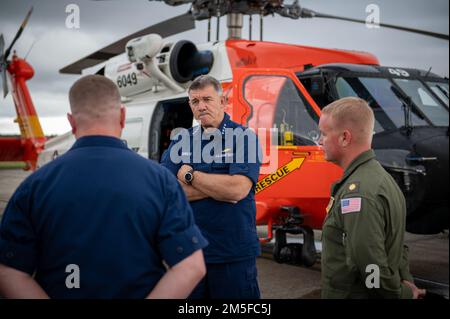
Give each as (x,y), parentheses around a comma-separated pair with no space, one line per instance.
(95,105)
(352,114)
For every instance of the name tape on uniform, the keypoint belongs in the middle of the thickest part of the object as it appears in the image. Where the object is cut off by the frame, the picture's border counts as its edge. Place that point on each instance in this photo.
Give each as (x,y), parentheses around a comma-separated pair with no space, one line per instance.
(282,172)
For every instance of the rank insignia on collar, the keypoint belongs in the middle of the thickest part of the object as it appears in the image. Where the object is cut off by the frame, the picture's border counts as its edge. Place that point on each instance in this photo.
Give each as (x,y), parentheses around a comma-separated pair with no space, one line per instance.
(353,187)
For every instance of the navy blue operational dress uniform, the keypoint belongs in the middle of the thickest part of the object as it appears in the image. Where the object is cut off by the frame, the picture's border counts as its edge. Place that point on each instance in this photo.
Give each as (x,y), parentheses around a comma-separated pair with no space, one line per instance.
(229,228)
(101,207)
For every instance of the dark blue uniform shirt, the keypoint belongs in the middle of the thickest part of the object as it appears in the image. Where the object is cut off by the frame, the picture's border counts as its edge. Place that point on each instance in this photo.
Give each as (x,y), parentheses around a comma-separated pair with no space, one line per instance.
(229,228)
(102,207)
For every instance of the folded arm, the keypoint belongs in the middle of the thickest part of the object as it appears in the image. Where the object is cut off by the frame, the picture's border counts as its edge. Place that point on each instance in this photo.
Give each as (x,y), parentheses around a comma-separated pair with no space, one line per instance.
(192,193)
(221,187)
(229,188)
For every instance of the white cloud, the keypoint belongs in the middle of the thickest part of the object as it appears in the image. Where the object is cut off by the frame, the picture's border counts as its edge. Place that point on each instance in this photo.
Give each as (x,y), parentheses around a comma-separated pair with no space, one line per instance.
(46,103)
(53,125)
(59,47)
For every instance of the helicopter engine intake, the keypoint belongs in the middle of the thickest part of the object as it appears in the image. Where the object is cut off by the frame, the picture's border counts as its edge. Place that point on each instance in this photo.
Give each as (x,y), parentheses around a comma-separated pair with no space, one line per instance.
(152,64)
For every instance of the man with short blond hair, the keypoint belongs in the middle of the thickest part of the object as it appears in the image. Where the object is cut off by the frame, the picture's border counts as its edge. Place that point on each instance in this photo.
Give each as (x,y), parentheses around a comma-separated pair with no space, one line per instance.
(354,114)
(99,221)
(363,254)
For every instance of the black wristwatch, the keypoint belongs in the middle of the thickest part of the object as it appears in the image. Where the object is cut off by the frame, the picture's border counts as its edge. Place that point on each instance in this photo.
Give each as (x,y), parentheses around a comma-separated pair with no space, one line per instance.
(189,176)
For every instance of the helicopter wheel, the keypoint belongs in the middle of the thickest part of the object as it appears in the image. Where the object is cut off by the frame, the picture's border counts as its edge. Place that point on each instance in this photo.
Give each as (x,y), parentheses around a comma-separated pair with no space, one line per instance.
(280,243)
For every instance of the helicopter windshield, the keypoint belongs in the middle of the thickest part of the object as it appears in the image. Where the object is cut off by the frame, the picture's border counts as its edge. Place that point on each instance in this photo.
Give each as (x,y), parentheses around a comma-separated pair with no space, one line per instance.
(440,89)
(387,107)
(425,101)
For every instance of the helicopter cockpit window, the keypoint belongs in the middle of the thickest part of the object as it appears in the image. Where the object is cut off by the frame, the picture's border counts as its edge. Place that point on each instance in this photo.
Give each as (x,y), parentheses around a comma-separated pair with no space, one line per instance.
(276,102)
(388,110)
(428,104)
(345,90)
(440,89)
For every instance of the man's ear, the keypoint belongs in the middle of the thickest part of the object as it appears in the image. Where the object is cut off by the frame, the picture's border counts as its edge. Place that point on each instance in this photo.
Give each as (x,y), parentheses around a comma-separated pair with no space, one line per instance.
(73,123)
(123,114)
(223,101)
(346,138)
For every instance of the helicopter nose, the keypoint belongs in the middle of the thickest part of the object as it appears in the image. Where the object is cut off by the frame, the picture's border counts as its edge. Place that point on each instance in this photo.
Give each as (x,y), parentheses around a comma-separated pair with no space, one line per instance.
(432,152)
(432,149)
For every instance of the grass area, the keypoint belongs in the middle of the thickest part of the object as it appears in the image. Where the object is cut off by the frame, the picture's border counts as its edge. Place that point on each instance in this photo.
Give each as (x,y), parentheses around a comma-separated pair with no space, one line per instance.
(12,165)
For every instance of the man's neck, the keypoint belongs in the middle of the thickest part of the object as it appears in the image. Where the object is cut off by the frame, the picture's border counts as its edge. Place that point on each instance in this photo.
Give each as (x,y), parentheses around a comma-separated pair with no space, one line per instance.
(98,131)
(351,155)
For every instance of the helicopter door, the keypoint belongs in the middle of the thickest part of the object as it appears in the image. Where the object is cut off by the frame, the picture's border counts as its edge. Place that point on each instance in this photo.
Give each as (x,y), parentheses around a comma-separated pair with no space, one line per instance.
(294,171)
(277,100)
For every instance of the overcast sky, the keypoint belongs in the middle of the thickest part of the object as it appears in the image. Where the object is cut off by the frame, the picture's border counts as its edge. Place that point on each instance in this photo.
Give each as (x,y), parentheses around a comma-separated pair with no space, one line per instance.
(103,22)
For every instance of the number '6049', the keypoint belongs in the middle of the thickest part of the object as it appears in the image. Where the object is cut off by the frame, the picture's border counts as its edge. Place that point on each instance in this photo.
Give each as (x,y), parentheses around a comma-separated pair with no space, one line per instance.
(125,80)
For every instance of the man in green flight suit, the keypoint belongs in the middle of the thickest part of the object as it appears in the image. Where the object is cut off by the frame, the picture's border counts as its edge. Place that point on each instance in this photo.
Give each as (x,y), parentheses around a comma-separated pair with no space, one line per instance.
(363,252)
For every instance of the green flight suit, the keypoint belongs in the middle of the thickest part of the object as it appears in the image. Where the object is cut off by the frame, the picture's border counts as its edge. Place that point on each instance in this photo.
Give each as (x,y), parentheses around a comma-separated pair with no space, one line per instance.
(365,225)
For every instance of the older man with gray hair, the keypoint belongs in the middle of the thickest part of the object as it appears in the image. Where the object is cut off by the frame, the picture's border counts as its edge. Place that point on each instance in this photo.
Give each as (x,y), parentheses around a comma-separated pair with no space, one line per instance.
(221,192)
(100,220)
(363,255)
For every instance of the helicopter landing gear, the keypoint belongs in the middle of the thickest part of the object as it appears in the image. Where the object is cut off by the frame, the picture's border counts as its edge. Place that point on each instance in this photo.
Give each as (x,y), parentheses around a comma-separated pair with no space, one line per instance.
(294,253)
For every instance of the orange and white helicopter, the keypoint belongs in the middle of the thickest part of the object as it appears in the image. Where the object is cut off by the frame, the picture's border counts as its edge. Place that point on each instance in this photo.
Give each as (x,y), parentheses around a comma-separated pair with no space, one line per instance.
(20,152)
(284,86)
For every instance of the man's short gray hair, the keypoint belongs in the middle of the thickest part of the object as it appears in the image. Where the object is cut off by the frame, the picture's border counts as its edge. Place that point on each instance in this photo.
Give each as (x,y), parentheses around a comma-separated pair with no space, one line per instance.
(203,81)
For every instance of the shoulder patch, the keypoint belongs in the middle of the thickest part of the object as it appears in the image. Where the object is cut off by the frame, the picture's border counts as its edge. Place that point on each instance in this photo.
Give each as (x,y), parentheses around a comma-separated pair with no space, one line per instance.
(351,205)
(352,187)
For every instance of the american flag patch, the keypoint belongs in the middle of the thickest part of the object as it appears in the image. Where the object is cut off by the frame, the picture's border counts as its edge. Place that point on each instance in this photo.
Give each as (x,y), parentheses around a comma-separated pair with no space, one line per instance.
(350,205)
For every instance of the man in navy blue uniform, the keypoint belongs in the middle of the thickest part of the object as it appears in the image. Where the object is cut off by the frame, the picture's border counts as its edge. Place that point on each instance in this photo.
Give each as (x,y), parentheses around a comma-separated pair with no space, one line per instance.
(99,221)
(219,177)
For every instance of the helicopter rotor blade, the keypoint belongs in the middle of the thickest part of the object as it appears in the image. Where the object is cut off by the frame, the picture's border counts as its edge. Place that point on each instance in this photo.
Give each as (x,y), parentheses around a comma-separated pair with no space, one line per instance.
(307,13)
(3,65)
(2,47)
(18,34)
(4,83)
(178,24)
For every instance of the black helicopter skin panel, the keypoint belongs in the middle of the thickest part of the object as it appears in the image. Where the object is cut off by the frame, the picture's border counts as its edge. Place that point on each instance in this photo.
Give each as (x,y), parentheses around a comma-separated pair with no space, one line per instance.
(435,146)
(372,70)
